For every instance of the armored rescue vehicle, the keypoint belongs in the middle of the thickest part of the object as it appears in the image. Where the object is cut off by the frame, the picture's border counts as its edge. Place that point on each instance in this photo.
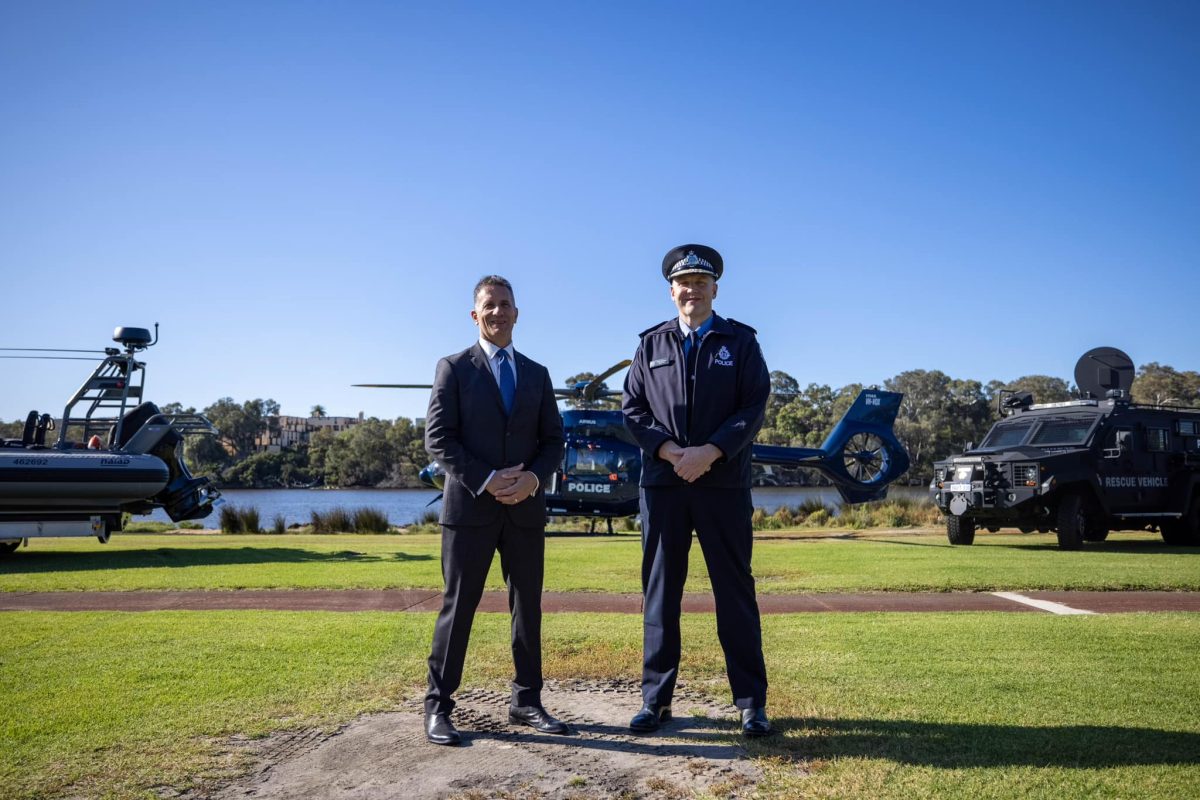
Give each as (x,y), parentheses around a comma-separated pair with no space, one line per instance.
(1081,468)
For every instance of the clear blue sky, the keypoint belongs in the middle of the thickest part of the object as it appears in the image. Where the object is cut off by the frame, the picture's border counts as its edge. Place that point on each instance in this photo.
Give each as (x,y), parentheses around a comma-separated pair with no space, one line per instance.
(304,193)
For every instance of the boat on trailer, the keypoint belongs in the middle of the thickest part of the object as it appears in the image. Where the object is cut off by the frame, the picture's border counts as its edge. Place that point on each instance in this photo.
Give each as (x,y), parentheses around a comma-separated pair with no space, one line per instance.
(115,453)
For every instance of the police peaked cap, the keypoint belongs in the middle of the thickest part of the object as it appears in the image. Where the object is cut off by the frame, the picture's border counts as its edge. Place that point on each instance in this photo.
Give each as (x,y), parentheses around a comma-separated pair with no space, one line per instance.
(692,259)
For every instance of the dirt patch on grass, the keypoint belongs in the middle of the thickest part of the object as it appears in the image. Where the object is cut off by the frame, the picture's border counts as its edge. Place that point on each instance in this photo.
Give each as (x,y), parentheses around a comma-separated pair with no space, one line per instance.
(386,755)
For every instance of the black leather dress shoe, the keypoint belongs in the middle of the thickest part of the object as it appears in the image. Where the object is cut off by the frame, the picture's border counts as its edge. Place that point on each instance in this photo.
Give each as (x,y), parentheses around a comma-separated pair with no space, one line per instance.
(650,718)
(755,722)
(535,717)
(439,730)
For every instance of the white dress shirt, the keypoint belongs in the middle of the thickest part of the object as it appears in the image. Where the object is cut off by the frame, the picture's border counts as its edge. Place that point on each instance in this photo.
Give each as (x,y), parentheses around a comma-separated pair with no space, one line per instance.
(490,350)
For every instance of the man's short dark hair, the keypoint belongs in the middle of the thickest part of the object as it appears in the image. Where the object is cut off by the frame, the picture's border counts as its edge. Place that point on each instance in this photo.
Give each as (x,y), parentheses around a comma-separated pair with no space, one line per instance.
(492,280)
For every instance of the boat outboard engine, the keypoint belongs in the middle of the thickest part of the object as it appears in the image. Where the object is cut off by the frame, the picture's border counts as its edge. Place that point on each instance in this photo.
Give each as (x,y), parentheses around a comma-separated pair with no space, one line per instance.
(147,430)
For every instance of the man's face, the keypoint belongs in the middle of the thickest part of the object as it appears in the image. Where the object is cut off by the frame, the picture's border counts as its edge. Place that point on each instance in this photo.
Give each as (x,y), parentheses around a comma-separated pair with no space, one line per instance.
(495,314)
(693,295)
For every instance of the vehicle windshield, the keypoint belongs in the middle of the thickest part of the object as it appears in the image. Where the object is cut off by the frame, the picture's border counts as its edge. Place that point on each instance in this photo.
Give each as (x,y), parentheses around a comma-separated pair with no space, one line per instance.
(1007,434)
(1069,430)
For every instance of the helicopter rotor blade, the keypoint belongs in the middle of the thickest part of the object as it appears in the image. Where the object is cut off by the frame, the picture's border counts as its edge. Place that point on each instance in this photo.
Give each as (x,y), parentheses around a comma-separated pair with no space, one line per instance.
(53,358)
(49,350)
(593,388)
(394,385)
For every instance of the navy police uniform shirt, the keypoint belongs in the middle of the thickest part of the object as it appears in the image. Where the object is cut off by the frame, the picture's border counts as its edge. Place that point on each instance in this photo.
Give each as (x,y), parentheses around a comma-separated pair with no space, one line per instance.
(730,400)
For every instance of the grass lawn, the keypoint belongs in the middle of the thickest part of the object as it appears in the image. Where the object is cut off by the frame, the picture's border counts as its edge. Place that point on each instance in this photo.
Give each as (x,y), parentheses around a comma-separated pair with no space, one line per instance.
(869,705)
(782,563)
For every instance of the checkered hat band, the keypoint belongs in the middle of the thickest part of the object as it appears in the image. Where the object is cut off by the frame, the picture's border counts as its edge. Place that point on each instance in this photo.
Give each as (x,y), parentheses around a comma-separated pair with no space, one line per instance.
(693,262)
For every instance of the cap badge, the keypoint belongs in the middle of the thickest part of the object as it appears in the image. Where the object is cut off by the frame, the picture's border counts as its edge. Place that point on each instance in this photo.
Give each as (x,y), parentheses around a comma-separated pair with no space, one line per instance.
(692,259)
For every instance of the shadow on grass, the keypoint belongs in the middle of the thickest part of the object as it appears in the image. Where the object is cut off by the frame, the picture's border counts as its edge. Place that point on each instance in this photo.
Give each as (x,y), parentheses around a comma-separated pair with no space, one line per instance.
(1142,547)
(27,562)
(954,746)
(601,535)
(1139,547)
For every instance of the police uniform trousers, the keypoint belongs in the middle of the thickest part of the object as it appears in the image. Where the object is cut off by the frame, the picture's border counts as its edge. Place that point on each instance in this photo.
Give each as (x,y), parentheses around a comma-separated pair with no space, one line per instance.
(721,520)
(467,553)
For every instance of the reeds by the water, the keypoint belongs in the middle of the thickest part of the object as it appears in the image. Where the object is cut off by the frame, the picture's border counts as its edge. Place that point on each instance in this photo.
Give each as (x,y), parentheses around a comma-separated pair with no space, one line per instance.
(900,512)
(339,520)
(236,519)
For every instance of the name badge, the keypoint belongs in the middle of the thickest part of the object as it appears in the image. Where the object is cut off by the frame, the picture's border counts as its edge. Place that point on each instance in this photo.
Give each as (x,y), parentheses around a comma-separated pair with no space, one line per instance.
(661,362)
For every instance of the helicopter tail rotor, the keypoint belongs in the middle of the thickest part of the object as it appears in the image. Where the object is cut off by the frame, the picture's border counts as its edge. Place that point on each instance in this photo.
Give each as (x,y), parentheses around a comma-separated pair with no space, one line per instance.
(861,455)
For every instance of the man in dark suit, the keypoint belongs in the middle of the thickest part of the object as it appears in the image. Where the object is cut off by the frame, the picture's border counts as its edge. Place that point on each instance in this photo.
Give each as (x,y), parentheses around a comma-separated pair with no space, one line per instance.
(497,433)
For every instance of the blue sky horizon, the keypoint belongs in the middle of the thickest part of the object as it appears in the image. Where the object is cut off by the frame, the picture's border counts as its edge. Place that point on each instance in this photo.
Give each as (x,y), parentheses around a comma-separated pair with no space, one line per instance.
(304,193)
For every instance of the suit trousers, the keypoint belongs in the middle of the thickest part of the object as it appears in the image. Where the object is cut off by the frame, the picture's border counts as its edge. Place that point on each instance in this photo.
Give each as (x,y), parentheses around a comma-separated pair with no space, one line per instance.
(721,520)
(466,558)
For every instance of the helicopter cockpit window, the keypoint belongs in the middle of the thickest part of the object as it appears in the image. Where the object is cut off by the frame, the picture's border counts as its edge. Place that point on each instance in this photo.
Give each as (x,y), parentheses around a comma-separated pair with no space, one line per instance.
(1007,434)
(586,461)
(599,461)
(1069,430)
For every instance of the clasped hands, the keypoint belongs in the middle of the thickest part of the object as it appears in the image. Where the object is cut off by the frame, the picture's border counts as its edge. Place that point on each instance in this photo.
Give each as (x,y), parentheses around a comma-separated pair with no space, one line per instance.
(511,485)
(689,462)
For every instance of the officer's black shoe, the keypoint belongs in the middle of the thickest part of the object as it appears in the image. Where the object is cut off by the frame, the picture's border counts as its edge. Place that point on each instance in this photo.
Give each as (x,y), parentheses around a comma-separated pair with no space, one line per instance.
(535,717)
(440,730)
(650,718)
(755,722)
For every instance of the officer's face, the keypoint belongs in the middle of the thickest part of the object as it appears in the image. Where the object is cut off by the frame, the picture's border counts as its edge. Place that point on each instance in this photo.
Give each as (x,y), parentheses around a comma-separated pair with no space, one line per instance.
(495,313)
(693,295)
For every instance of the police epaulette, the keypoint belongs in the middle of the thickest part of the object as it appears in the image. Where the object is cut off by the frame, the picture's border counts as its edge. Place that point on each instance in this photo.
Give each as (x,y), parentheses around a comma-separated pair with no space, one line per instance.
(653,328)
(741,325)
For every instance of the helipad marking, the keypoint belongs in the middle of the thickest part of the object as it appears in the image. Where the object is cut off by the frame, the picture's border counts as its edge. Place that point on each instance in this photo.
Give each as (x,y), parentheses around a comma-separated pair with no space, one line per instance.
(1044,605)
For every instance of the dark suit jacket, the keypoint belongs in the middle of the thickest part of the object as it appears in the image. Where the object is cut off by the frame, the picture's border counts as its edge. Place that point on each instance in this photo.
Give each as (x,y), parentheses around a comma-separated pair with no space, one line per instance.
(468,433)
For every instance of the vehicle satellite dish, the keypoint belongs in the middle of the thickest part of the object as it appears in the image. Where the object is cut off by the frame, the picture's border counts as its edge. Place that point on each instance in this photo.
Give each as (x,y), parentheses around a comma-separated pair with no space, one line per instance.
(1101,370)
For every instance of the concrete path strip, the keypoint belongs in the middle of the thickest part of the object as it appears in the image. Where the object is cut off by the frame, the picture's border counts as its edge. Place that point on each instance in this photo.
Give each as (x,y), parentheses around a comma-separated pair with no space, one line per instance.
(429,600)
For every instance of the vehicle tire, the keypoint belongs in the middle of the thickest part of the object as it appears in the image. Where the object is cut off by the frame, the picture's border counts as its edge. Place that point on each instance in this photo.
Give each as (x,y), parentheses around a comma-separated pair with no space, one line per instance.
(1184,531)
(1095,533)
(1072,521)
(9,547)
(960,530)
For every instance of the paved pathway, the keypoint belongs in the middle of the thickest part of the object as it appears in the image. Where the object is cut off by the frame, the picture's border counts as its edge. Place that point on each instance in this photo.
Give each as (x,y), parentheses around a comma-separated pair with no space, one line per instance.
(553,602)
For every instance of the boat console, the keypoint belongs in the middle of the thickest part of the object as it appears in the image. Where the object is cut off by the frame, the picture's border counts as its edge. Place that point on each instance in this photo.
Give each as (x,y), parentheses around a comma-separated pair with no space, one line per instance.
(115,453)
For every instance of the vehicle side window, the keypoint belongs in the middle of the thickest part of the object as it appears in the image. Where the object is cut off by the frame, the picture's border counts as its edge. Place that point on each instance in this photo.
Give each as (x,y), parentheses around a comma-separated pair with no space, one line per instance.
(1157,439)
(1118,441)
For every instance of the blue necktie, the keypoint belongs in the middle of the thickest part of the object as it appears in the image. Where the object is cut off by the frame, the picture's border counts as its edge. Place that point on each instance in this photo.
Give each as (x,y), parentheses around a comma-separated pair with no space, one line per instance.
(508,382)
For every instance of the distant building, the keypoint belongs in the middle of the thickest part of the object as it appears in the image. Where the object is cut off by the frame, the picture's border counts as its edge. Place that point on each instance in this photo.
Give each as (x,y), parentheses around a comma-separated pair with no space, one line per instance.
(284,433)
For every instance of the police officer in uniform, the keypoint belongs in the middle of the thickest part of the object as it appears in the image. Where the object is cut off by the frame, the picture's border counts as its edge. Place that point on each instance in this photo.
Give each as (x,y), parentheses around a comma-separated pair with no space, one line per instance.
(695,397)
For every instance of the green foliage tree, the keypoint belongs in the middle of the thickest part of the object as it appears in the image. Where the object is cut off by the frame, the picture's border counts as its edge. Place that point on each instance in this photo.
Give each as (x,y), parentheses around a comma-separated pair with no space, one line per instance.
(1044,388)
(938,416)
(269,470)
(805,420)
(241,425)
(1163,385)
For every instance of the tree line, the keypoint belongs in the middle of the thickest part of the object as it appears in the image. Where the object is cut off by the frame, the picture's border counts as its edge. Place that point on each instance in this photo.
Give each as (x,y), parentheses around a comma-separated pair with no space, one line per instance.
(939,416)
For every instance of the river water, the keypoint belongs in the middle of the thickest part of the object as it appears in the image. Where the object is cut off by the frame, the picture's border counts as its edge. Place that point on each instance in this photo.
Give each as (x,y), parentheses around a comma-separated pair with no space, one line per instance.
(404,506)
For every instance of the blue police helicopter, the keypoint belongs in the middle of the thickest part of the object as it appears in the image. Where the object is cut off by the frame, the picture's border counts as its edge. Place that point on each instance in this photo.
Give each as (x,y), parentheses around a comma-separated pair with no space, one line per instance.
(602,462)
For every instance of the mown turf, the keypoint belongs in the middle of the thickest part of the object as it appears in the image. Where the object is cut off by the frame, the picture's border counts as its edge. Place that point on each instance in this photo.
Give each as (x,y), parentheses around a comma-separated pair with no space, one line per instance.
(906,562)
(868,706)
